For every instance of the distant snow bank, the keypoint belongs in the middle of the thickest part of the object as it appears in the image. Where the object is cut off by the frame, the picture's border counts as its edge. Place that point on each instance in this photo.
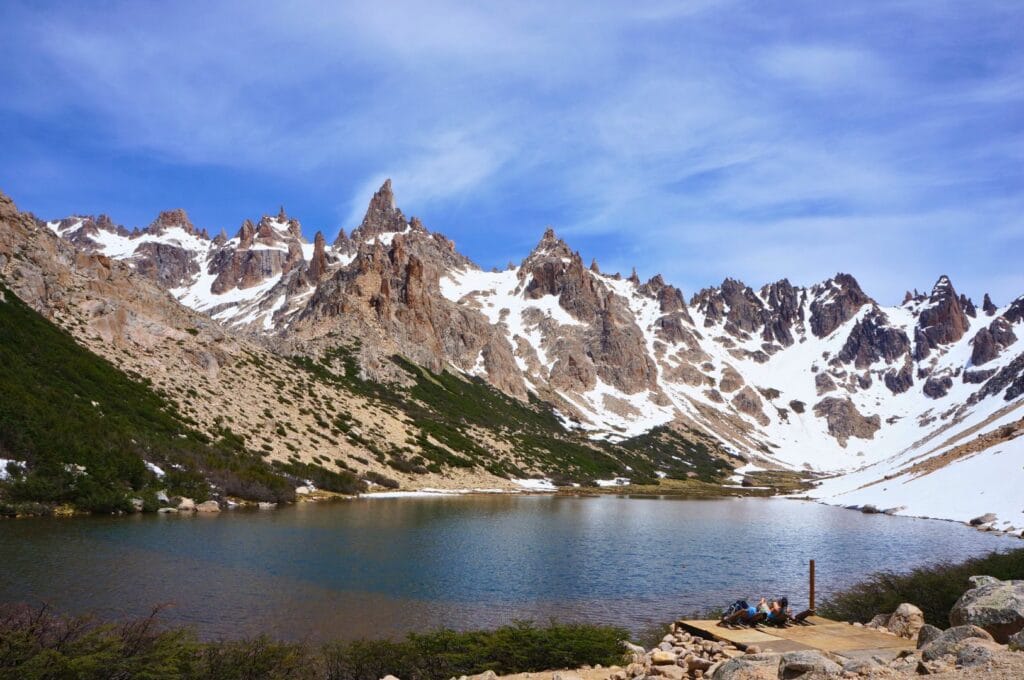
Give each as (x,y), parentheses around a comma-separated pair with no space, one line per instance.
(987,481)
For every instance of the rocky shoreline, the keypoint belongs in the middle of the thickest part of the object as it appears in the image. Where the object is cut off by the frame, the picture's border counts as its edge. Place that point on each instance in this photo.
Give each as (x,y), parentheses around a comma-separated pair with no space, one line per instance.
(985,640)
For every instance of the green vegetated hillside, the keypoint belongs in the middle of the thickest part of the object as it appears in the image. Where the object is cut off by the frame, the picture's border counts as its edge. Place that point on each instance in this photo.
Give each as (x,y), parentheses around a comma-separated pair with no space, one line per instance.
(449,411)
(83,429)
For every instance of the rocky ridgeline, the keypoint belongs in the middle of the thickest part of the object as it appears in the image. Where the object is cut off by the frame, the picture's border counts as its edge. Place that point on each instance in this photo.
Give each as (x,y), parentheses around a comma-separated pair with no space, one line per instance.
(617,355)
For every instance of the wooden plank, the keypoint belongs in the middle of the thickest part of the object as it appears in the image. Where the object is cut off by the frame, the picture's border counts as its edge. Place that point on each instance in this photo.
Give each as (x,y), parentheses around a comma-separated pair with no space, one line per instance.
(824,634)
(741,637)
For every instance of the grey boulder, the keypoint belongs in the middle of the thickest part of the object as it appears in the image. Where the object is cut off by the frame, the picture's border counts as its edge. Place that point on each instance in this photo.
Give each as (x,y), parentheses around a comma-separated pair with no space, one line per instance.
(1016,642)
(949,640)
(927,633)
(997,606)
(808,664)
(749,667)
(976,652)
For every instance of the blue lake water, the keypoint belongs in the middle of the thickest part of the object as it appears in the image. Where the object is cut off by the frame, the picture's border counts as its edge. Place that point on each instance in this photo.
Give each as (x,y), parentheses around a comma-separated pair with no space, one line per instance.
(381,567)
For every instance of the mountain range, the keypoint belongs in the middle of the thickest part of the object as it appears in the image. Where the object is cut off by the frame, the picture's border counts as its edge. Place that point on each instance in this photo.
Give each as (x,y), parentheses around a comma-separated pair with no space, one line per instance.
(600,375)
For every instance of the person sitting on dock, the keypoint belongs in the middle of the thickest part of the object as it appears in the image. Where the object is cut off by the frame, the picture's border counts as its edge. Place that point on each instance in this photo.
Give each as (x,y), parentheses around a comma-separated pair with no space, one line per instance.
(778,612)
(740,613)
(780,615)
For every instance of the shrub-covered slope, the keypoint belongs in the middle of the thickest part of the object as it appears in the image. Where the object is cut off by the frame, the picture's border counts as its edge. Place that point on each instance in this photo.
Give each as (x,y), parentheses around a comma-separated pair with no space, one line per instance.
(464,422)
(81,431)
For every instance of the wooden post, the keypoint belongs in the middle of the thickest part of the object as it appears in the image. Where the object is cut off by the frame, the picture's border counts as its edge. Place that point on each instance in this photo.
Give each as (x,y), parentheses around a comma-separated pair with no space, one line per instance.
(811,604)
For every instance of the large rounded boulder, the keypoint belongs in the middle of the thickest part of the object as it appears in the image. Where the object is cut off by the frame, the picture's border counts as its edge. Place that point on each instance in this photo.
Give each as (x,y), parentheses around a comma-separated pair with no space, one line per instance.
(994,605)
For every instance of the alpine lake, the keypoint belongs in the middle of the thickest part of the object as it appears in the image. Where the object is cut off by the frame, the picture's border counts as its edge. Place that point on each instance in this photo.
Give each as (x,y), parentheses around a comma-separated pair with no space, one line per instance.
(381,567)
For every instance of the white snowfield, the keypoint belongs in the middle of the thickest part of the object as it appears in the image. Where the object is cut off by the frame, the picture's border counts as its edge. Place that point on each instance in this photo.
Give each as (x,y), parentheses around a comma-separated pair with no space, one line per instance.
(987,481)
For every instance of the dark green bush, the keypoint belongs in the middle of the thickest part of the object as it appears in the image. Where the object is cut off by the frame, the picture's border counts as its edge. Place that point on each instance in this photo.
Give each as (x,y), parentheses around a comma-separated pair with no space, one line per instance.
(37,645)
(256,659)
(381,480)
(341,481)
(935,589)
(520,648)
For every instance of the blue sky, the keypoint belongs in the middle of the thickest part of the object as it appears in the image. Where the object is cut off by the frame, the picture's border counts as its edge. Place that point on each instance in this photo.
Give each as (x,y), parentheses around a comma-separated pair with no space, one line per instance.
(700,139)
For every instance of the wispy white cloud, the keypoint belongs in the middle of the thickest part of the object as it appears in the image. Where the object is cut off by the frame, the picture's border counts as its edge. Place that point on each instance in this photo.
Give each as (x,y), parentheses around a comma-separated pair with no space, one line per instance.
(703,138)
(825,68)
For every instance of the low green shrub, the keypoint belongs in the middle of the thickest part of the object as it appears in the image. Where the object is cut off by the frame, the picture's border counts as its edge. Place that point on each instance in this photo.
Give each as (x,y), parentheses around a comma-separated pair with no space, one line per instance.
(36,644)
(380,480)
(522,647)
(935,589)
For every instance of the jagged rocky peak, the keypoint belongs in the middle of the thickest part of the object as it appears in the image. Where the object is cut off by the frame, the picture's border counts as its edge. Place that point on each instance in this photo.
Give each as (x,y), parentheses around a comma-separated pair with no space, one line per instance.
(773,313)
(550,246)
(786,304)
(673,325)
(988,306)
(1015,312)
(382,215)
(967,304)
(318,263)
(265,229)
(341,240)
(670,297)
(103,221)
(246,233)
(291,225)
(941,321)
(221,238)
(989,342)
(735,303)
(171,218)
(836,301)
(552,268)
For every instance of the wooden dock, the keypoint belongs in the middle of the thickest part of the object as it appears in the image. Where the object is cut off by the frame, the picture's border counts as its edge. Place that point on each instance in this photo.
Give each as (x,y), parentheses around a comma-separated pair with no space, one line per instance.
(822,634)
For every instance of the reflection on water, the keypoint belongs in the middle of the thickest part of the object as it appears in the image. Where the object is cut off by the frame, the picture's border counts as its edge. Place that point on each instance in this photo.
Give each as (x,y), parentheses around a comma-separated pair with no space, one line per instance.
(371,568)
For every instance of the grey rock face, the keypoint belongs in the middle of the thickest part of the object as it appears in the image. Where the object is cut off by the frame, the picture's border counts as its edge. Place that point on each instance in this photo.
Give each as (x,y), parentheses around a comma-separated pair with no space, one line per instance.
(872,340)
(937,388)
(845,421)
(168,265)
(902,380)
(990,341)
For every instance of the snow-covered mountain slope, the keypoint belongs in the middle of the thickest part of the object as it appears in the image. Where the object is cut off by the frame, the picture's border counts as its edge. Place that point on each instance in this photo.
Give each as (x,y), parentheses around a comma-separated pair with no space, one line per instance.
(962,478)
(820,378)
